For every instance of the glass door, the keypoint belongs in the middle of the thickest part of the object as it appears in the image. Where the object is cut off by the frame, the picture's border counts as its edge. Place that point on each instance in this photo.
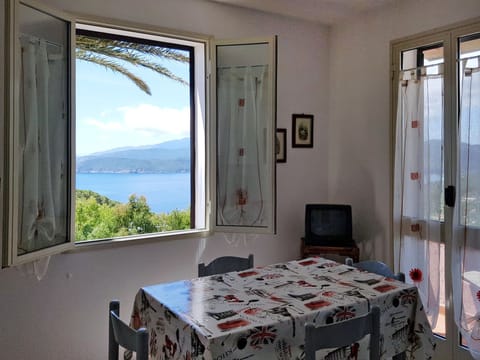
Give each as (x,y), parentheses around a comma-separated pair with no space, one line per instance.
(436,99)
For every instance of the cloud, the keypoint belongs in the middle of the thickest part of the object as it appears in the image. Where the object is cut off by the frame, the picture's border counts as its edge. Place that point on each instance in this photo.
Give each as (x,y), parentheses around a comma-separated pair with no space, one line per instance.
(156,120)
(146,121)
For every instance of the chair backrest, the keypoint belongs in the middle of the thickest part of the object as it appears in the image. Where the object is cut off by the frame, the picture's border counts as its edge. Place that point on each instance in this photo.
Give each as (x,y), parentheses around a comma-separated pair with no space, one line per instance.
(120,334)
(344,333)
(376,267)
(225,264)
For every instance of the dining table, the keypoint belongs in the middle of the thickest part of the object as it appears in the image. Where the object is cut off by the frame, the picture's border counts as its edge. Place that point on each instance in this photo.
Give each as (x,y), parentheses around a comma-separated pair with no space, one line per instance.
(260,313)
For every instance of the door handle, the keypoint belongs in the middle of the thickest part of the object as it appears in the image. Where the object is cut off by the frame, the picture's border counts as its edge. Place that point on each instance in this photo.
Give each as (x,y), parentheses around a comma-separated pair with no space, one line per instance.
(450,196)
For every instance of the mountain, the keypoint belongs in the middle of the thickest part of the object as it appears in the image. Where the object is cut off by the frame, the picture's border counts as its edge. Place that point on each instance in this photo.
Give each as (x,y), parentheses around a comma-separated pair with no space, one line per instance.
(473,152)
(167,157)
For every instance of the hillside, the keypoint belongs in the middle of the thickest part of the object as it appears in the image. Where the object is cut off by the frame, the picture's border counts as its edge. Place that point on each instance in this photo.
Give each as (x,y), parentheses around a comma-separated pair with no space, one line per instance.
(167,157)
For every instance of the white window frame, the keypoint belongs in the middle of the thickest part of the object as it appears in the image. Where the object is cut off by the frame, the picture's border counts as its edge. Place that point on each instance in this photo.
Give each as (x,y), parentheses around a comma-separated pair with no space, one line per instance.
(200,45)
(11,204)
(271,43)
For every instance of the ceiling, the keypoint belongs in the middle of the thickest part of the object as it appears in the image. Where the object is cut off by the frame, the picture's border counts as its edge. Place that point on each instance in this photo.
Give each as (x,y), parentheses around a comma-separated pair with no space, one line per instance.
(327,12)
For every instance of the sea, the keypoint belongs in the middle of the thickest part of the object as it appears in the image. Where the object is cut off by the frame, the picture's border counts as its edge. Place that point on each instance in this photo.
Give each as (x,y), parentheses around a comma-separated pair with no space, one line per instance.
(164,192)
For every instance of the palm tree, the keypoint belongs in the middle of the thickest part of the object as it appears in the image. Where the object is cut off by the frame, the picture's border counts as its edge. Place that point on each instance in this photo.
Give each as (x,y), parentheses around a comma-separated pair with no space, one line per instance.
(108,52)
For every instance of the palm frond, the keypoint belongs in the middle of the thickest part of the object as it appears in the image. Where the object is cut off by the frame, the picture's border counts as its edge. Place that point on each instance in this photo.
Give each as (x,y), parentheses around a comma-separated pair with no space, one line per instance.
(103,51)
(167,53)
(112,65)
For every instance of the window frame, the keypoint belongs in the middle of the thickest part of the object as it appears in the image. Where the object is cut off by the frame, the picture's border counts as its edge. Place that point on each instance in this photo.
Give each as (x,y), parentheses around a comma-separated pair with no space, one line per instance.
(199,91)
(10,230)
(200,79)
(271,43)
(205,122)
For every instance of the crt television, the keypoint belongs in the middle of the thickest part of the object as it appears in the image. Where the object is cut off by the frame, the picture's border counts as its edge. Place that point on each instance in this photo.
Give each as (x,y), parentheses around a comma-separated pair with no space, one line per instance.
(328,225)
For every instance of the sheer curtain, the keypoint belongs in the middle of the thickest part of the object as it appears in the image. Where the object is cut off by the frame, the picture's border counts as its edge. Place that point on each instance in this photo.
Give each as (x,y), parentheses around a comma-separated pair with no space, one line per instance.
(466,256)
(419,181)
(42,139)
(241,143)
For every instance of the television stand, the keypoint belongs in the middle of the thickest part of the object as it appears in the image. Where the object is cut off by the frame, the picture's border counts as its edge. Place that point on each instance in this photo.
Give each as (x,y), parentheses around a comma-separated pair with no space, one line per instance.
(317,250)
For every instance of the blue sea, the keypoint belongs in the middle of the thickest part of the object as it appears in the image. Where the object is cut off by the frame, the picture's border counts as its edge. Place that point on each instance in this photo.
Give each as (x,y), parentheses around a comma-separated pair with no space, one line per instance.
(164,192)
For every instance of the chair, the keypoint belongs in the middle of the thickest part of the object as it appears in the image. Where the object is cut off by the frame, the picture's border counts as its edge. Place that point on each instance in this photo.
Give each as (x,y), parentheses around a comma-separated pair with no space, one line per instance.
(120,334)
(225,264)
(344,333)
(376,267)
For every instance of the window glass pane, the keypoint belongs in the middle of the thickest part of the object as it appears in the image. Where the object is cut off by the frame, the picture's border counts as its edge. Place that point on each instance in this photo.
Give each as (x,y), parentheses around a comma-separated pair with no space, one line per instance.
(469,46)
(433,55)
(422,56)
(469,75)
(43,131)
(409,59)
(245,179)
(134,135)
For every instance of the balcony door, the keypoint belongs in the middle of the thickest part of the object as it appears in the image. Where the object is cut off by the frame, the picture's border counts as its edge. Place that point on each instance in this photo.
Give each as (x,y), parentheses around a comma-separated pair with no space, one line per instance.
(436,97)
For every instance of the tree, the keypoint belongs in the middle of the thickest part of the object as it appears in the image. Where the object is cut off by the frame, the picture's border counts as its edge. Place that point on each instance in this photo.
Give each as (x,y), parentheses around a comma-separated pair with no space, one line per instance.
(113,54)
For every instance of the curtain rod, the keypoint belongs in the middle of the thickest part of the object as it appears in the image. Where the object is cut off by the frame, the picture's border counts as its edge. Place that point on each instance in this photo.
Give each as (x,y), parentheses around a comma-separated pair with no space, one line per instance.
(240,66)
(36,38)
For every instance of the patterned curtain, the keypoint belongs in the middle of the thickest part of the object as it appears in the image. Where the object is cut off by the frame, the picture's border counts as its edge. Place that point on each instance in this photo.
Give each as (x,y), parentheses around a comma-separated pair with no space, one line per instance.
(241,174)
(466,256)
(419,181)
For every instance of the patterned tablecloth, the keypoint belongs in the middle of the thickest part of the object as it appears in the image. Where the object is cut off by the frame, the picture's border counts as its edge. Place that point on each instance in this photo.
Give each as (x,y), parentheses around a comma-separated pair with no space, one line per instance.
(261,313)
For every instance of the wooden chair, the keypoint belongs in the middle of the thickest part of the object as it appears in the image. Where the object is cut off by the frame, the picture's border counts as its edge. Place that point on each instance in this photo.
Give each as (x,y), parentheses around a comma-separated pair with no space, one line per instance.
(344,333)
(225,264)
(376,267)
(120,334)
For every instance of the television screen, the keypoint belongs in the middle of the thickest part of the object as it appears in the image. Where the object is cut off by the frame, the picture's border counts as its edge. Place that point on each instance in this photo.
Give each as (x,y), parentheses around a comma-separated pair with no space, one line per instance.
(328,224)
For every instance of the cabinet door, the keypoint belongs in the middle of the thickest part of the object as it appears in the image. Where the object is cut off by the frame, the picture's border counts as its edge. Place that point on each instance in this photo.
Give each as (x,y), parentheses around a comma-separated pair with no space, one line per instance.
(245,133)
(39,135)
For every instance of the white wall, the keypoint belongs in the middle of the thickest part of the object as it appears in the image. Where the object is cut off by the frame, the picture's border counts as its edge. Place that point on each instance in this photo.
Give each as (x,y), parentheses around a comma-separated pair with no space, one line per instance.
(64,316)
(359,150)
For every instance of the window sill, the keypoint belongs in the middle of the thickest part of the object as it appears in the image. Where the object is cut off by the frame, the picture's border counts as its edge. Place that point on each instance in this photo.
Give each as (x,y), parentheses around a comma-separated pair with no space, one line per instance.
(140,239)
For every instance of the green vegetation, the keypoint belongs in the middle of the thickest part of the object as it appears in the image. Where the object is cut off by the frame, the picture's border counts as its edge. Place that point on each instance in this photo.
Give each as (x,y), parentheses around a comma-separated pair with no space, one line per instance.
(98,217)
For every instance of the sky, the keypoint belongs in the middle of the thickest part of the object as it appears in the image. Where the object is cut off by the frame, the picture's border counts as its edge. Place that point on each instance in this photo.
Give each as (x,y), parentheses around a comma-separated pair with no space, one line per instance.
(112,112)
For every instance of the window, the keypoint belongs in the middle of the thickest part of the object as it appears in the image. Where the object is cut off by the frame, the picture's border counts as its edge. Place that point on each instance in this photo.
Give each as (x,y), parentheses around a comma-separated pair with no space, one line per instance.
(42,141)
(98,163)
(138,137)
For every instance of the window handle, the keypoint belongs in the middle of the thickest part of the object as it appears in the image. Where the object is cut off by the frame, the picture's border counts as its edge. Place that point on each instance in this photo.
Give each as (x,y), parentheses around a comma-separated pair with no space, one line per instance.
(450,196)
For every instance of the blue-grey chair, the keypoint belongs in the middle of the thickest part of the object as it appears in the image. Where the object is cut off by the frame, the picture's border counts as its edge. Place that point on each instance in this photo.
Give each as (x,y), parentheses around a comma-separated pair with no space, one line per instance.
(120,334)
(376,267)
(225,264)
(344,333)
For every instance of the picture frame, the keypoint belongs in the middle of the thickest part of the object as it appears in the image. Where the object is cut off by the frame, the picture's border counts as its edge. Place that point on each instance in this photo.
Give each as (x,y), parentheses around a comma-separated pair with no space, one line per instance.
(302,131)
(281,145)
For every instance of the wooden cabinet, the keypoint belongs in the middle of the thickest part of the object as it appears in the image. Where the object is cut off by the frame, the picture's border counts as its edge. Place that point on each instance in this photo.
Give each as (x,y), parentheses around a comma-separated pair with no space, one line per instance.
(316,250)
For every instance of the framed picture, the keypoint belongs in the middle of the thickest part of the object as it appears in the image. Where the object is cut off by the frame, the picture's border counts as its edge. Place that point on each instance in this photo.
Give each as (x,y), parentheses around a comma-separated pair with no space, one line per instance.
(280,145)
(302,130)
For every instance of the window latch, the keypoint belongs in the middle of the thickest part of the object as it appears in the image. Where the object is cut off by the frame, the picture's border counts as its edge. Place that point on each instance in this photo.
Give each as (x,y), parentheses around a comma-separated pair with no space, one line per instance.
(450,196)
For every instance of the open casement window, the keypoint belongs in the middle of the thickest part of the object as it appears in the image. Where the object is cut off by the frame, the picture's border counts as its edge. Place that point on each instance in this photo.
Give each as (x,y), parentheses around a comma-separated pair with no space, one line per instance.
(245,107)
(38,133)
